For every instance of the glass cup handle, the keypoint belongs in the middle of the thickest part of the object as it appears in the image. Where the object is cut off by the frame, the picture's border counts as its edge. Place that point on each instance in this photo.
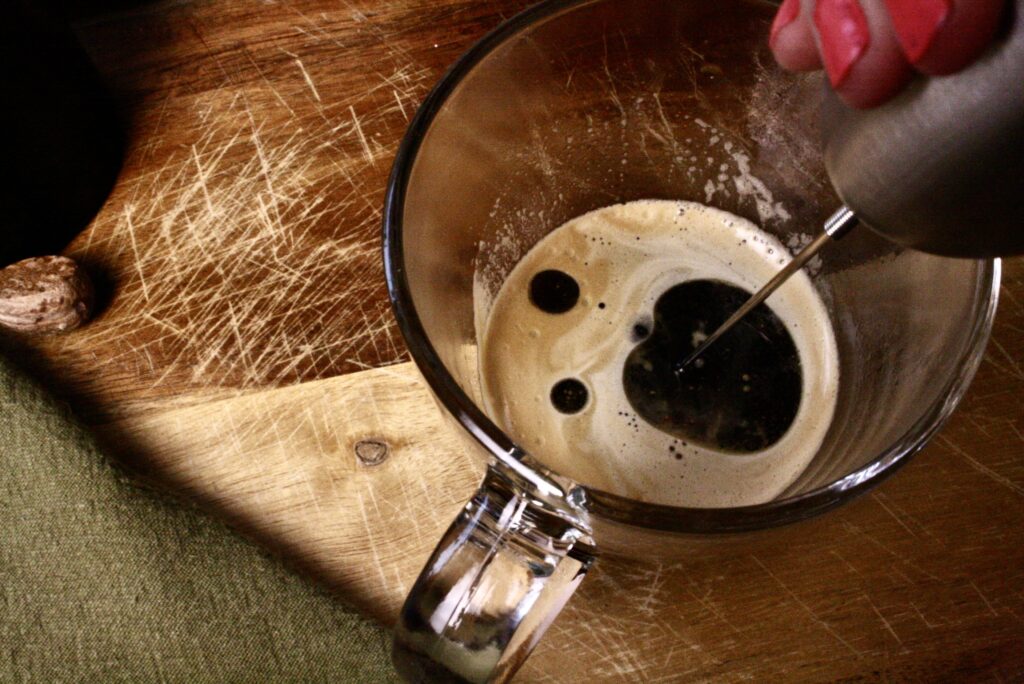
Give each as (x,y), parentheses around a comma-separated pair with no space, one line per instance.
(496,581)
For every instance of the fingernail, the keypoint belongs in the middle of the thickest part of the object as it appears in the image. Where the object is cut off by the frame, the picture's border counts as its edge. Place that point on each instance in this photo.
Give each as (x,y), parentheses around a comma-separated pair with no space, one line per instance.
(786,15)
(844,36)
(917,22)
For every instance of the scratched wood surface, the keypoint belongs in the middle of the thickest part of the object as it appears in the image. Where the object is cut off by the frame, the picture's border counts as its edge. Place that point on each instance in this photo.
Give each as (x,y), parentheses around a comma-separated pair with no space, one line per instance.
(246,346)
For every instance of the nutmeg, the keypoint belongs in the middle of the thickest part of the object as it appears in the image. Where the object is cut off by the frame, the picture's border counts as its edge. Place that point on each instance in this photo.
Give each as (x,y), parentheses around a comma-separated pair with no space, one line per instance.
(45,295)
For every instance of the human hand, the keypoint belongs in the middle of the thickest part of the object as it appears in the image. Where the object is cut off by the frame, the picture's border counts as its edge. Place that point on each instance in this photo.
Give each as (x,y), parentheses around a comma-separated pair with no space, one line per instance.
(871,48)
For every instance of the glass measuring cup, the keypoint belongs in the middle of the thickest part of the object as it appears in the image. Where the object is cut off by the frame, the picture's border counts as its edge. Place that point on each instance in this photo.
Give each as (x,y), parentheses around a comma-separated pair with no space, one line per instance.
(572,106)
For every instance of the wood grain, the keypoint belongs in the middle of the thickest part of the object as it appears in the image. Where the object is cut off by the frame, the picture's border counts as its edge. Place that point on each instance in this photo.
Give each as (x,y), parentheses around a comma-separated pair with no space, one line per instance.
(283,466)
(247,345)
(241,240)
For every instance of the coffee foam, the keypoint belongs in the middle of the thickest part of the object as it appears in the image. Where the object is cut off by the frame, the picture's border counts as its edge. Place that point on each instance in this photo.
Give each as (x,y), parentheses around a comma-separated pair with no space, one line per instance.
(625,257)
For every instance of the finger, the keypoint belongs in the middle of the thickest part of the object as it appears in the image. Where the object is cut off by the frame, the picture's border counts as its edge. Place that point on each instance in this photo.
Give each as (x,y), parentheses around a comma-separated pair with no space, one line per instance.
(792,39)
(858,46)
(943,36)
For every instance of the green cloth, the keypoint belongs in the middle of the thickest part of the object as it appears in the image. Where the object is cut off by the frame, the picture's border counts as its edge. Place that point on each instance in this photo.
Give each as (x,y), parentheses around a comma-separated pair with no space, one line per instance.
(102,580)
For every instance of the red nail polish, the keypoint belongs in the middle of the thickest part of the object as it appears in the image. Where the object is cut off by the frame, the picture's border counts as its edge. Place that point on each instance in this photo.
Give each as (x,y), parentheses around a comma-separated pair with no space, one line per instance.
(917,22)
(786,15)
(843,30)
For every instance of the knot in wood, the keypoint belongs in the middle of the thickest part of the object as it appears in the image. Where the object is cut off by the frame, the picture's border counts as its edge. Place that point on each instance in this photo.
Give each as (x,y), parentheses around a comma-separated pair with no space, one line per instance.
(371,452)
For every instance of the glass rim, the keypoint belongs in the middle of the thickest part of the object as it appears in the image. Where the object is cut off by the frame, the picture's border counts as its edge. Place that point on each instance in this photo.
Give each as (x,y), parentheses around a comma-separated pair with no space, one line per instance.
(604,504)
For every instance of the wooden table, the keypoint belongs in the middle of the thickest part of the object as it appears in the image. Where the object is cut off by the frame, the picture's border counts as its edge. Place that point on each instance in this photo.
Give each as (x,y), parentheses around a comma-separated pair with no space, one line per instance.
(247,346)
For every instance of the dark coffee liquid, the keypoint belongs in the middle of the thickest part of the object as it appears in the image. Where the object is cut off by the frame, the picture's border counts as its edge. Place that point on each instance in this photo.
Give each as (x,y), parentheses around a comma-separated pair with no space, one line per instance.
(554,291)
(740,395)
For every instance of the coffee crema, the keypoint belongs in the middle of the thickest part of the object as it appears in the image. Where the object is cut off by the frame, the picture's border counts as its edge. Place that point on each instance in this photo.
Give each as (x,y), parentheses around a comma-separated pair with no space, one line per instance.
(578,350)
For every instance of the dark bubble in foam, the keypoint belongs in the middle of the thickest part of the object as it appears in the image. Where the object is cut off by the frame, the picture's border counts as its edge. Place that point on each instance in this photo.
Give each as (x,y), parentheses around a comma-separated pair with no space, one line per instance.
(641,330)
(744,394)
(569,395)
(554,291)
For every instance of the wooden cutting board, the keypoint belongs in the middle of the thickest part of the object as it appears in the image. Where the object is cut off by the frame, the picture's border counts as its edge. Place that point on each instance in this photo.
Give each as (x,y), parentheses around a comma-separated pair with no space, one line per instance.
(246,351)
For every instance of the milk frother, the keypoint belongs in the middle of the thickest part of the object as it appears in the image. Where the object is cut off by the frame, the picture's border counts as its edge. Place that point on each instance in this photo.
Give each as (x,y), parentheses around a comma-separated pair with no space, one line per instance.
(939,168)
